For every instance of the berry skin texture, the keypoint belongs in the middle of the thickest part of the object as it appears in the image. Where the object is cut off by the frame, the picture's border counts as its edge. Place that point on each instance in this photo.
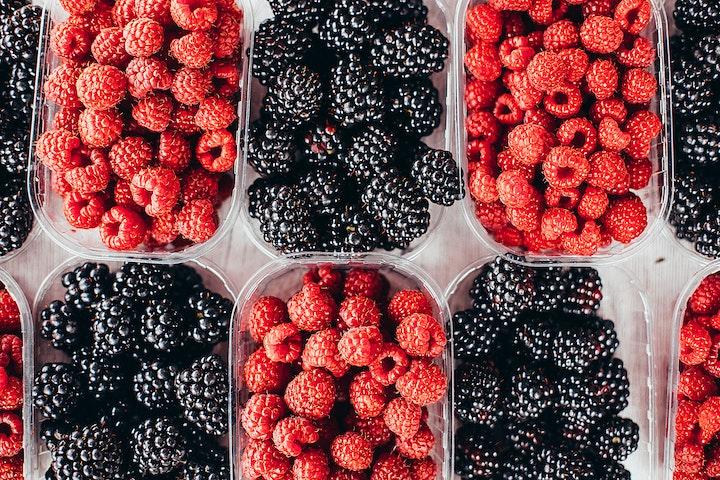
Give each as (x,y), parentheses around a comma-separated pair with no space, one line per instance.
(514,189)
(640,172)
(71,42)
(101,87)
(556,222)
(601,34)
(709,419)
(424,469)
(157,189)
(311,394)
(283,343)
(199,184)
(484,24)
(128,156)
(360,346)
(565,167)
(608,171)
(560,35)
(547,71)
(144,37)
(578,132)
(12,398)
(352,452)
(266,313)
(84,210)
(421,335)
(93,176)
(403,418)
(593,203)
(586,243)
(56,150)
(613,138)
(329,279)
(368,283)
(626,218)
(312,308)
(423,384)
(215,113)
(602,79)
(291,433)
(633,15)
(11,437)
(193,50)
(122,228)
(417,447)
(211,141)
(359,311)
(190,86)
(638,86)
(261,459)
(373,429)
(9,314)
(11,468)
(194,15)
(197,221)
(99,128)
(60,86)
(147,74)
(705,300)
(321,351)
(157,10)
(367,396)
(78,7)
(390,466)
(262,375)
(108,48)
(686,421)
(163,229)
(153,112)
(689,458)
(695,344)
(530,143)
(312,464)
(483,62)
(173,151)
(695,384)
(390,364)
(563,101)
(407,302)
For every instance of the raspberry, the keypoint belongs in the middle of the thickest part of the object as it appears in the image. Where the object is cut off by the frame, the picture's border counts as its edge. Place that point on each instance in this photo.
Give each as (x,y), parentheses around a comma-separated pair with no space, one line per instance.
(157,10)
(640,55)
(556,221)
(686,421)
(483,62)
(92,175)
(100,128)
(421,335)
(705,300)
(283,343)
(640,172)
(695,384)
(577,61)
(9,316)
(194,50)
(560,35)
(157,189)
(540,117)
(514,189)
(638,86)
(626,218)
(689,458)
(327,278)
(95,21)
(562,197)
(128,156)
(369,283)
(78,7)
(311,394)
(358,311)
(194,14)
(262,375)
(190,86)
(424,469)
(84,210)
(483,187)
(122,195)
(613,108)
(312,464)
(207,146)
(360,346)
(509,236)
(390,364)
(578,133)
(527,96)
(153,112)
(321,351)
(608,171)
(418,446)
(530,143)
(642,127)
(144,37)
(633,15)
(67,119)
(611,136)
(406,302)
(517,5)
(56,149)
(261,458)
(516,53)
(352,452)
(483,126)
(11,468)
(148,74)
(69,41)
(593,203)
(480,154)
(12,395)
(11,434)
(712,364)
(164,228)
(225,78)
(602,79)
(367,395)
(403,418)
(423,384)
(507,110)
(586,242)
(291,433)
(199,184)
(123,11)
(526,218)
(197,221)
(565,167)
(483,24)
(547,71)
(545,12)
(122,228)
(563,101)
(214,114)
(601,34)
(709,419)
(101,87)
(312,308)
(266,313)
(229,38)
(373,429)
(174,153)
(597,7)
(342,474)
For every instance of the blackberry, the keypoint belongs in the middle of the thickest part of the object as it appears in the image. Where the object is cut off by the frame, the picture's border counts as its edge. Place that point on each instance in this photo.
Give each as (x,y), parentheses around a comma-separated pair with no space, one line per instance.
(52,431)
(697,15)
(693,195)
(478,393)
(144,281)
(527,437)
(370,151)
(708,240)
(56,390)
(19,35)
(163,326)
(357,94)
(477,454)
(278,44)
(348,25)
(187,281)
(121,415)
(519,466)
(202,390)
(7,7)
(560,463)
(20,94)
(700,143)
(535,333)
(259,195)
(286,219)
(114,326)
(104,377)
(324,188)
(612,471)
(616,438)
(577,408)
(608,386)
(91,452)
(475,334)
(576,348)
(438,176)
(295,97)
(16,217)
(584,287)
(409,50)
(351,230)
(323,144)
(398,206)
(707,52)
(14,149)
(394,12)
(414,107)
(63,327)
(509,286)
(271,151)
(210,317)
(158,446)
(693,91)
(550,288)
(532,391)
(199,471)
(305,13)
(154,385)
(86,285)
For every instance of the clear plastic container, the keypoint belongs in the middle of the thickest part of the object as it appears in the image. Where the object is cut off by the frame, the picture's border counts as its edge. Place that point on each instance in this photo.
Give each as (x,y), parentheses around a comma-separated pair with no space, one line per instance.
(283,277)
(627,306)
(440,17)
(48,205)
(687,247)
(38,351)
(657,196)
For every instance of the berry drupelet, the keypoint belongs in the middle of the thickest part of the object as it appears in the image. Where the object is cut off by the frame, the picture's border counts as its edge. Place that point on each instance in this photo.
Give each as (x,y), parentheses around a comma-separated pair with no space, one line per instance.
(86,286)
(271,150)
(477,456)
(158,446)
(478,393)
(89,452)
(202,390)
(278,44)
(16,217)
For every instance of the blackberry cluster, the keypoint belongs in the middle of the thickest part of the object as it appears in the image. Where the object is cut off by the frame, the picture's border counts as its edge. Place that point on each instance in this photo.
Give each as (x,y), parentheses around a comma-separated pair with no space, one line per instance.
(338,143)
(696,90)
(537,388)
(143,395)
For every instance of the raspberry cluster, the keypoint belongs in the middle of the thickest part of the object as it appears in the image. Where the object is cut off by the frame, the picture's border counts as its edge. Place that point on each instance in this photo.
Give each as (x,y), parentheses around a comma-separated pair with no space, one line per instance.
(143,145)
(697,421)
(559,124)
(341,381)
(11,388)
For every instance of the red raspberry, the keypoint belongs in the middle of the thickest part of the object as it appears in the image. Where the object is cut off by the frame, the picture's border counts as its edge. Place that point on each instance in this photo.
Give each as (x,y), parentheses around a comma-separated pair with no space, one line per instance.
(92,175)
(56,149)
(601,34)
(157,10)
(207,147)
(564,101)
(483,24)
(11,434)
(509,236)
(421,335)
(342,474)
(483,126)
(565,167)
(562,197)
(95,21)
(633,15)
(157,189)
(153,112)
(545,12)
(69,41)
(507,110)
(100,128)
(709,419)
(12,395)
(695,384)
(586,242)
(626,218)
(403,418)
(261,459)
(483,62)
(640,55)
(481,155)
(194,14)
(556,222)
(321,351)
(67,119)
(611,136)
(360,346)
(424,469)
(530,143)
(547,70)
(705,300)
(164,228)
(613,108)
(11,468)
(640,172)
(311,394)
(418,446)
(292,433)
(526,218)
(423,384)
(712,364)
(577,61)
(283,343)
(190,86)
(101,87)
(128,156)
(84,210)
(215,113)
(78,7)
(516,5)
(9,315)
(229,37)
(540,117)
(325,276)
(578,133)
(174,153)
(593,203)
(390,466)
(602,79)
(390,364)
(122,228)
(265,313)
(560,35)
(199,184)
(690,458)
(513,23)
(406,302)
(608,171)
(123,11)
(514,189)
(534,242)
(143,37)
(148,74)
(359,311)
(194,50)
(686,421)
(527,96)
(312,308)
(197,221)
(638,86)
(483,187)
(642,127)
(369,283)
(312,464)
(262,375)
(516,53)
(225,78)
(367,395)
(352,452)
(597,7)
(373,429)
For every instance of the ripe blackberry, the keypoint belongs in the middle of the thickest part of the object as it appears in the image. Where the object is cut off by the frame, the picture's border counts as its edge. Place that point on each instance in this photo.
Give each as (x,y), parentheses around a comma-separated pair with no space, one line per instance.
(63,327)
(278,44)
(200,471)
(438,176)
(144,281)
(114,326)
(697,15)
(7,7)
(357,95)
(154,385)
(56,391)
(20,94)
(350,229)
(259,197)
(581,344)
(52,431)
(509,286)
(708,240)
(475,334)
(86,285)
(202,390)
(578,410)
(550,288)
(519,466)
(163,326)
(409,50)
(608,386)
(187,280)
(158,446)
(565,463)
(286,220)
(393,12)
(398,206)
(305,13)
(13,152)
(295,97)
(694,194)
(700,143)
(271,150)
(584,287)
(104,377)
(370,151)
(693,90)
(16,217)
(612,471)
(478,393)
(120,415)
(528,437)
(477,454)
(210,313)
(707,52)
(90,452)
(19,35)
(323,144)
(414,107)
(348,26)
(532,391)
(324,188)
(535,333)
(616,438)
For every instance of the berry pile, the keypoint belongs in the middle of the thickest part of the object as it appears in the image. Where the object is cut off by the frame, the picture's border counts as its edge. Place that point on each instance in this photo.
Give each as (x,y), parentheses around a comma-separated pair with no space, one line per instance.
(142,145)
(696,83)
(143,394)
(559,125)
(11,388)
(341,381)
(697,421)
(537,387)
(338,143)
(19,31)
